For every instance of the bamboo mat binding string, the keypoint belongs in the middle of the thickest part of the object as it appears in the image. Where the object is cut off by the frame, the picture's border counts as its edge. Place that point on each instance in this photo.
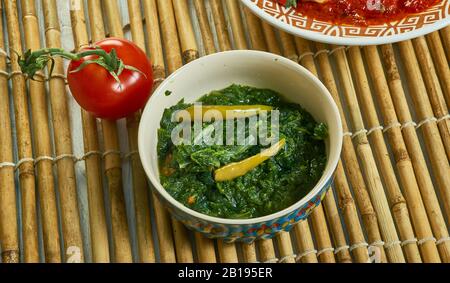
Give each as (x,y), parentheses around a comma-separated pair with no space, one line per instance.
(128,155)
(404,125)
(363,131)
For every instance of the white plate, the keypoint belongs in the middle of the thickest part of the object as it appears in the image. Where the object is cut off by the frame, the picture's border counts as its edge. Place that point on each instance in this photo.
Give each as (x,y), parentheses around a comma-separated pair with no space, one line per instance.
(292,22)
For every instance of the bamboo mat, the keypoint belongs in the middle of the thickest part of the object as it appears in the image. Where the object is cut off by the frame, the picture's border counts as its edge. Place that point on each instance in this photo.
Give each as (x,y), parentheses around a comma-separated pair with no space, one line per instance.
(72,187)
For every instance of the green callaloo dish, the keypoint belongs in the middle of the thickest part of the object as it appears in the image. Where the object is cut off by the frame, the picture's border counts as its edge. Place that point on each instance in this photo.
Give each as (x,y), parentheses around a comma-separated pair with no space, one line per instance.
(187,171)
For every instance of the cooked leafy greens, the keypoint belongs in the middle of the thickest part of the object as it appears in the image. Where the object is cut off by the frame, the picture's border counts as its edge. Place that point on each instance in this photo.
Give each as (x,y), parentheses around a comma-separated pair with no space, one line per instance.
(187,171)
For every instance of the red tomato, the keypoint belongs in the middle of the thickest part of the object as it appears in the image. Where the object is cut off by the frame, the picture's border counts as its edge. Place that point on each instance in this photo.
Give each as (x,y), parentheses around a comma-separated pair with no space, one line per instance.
(98,92)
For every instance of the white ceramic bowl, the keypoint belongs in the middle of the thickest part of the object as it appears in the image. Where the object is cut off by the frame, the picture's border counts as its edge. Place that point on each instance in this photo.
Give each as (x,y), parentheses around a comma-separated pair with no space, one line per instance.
(253,68)
(412,26)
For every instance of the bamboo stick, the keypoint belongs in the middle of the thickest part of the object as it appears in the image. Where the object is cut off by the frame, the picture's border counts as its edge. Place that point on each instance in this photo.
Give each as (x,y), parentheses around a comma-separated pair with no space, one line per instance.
(403,164)
(417,156)
(285,247)
(266,34)
(271,38)
(289,50)
(430,130)
(26,170)
(43,147)
(255,31)
(169,35)
(322,237)
(234,13)
(141,189)
(112,162)
(205,250)
(154,45)
(249,252)
(317,217)
(174,61)
(445,35)
(113,18)
(9,238)
(435,93)
(97,217)
(303,47)
(334,220)
(353,169)
(136,23)
(164,229)
(403,161)
(348,208)
(165,237)
(205,29)
(182,242)
(220,24)
(185,30)
(364,150)
(63,141)
(266,251)
(227,252)
(395,197)
(288,46)
(307,253)
(346,201)
(440,62)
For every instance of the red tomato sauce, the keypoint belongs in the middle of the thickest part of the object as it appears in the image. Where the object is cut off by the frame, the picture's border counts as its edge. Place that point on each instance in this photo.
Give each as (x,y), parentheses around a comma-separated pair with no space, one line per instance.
(362,12)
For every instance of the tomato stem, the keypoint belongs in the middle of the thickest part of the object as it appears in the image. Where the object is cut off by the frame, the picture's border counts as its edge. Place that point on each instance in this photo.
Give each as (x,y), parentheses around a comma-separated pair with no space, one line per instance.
(50,52)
